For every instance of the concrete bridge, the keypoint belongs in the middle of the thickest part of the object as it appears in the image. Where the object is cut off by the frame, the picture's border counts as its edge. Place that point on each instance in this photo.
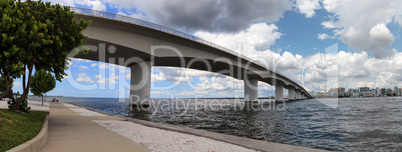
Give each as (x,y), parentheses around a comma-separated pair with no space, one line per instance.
(141,45)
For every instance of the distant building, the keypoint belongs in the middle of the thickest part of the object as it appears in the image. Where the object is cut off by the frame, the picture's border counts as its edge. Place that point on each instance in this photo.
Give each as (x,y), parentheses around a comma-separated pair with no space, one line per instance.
(389,92)
(363,89)
(350,92)
(359,92)
(367,94)
(399,92)
(320,94)
(383,92)
(396,91)
(374,91)
(336,92)
(378,92)
(346,94)
(341,91)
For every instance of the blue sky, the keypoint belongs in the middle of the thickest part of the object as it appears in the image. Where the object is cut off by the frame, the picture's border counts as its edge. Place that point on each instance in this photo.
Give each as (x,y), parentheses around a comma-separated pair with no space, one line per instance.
(367,33)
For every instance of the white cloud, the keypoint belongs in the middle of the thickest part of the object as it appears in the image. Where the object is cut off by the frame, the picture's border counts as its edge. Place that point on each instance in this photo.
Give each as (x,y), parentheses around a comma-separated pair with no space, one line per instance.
(176,75)
(103,66)
(381,34)
(83,67)
(83,77)
(354,69)
(354,20)
(108,66)
(111,80)
(94,64)
(308,7)
(219,83)
(255,43)
(95,4)
(323,36)
(264,87)
(113,76)
(193,93)
(259,36)
(389,79)
(328,24)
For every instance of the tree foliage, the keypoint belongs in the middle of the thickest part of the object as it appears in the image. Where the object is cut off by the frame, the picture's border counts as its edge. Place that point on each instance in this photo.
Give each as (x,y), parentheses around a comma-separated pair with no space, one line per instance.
(10,67)
(42,82)
(36,35)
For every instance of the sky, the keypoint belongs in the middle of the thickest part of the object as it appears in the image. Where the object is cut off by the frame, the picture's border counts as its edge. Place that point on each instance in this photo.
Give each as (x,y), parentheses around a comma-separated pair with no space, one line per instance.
(319,44)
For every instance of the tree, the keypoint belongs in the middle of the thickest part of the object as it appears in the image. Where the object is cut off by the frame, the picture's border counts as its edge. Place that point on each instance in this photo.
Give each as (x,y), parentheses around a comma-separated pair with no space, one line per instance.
(10,68)
(42,82)
(36,35)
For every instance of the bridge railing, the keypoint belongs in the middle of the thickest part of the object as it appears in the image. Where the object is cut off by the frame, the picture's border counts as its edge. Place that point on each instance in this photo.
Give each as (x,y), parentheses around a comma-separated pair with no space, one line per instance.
(164,29)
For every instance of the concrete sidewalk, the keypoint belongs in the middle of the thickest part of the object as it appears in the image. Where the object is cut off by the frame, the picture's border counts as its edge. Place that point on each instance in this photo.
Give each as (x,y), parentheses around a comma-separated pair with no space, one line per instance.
(69,131)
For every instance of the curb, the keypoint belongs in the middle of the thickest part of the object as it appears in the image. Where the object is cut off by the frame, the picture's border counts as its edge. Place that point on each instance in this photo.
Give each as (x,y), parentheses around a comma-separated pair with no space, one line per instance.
(36,143)
(258,145)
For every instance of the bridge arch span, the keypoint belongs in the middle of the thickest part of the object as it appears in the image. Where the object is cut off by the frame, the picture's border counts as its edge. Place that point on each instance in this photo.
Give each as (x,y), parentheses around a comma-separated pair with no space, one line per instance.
(160,48)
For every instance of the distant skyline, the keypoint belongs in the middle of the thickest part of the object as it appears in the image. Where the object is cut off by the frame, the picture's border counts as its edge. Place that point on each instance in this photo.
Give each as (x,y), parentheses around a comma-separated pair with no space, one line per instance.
(367,34)
(364,87)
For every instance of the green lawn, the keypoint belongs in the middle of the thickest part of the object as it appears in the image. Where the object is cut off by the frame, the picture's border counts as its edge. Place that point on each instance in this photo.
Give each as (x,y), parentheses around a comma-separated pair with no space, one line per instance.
(17,128)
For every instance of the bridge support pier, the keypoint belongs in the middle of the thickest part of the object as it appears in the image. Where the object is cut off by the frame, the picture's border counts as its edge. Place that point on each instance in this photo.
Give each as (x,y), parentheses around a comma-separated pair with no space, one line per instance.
(279,93)
(140,84)
(251,90)
(291,94)
(298,96)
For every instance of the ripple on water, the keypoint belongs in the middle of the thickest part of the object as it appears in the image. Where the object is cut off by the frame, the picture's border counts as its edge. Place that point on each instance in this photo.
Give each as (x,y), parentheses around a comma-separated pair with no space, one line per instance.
(360,124)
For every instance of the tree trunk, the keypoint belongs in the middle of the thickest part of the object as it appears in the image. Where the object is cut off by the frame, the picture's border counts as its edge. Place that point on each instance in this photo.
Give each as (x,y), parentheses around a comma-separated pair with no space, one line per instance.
(26,81)
(15,106)
(6,90)
(42,99)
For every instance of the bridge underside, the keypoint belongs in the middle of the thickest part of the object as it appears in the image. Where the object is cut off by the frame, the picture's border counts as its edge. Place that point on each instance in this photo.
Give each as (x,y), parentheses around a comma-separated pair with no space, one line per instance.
(127,57)
(116,54)
(130,45)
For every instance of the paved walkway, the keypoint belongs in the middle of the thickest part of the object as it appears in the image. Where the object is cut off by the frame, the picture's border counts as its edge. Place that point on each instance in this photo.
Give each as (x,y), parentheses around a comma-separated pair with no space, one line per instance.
(69,131)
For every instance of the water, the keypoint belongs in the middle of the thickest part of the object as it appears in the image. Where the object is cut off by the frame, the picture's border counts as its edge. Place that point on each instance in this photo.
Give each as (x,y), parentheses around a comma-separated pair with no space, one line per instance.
(353,124)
